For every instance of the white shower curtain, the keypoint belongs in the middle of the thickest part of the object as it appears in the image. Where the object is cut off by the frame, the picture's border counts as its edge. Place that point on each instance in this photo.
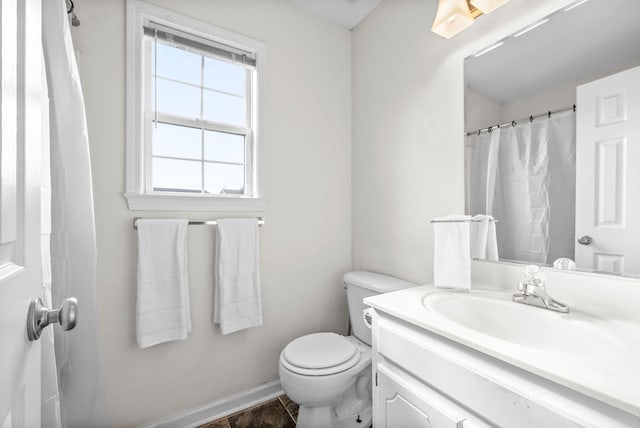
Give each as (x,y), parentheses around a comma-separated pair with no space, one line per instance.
(73,246)
(484,165)
(525,177)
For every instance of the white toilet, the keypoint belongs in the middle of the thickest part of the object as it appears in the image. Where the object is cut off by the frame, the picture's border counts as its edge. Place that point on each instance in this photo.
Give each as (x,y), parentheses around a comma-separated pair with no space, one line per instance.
(329,375)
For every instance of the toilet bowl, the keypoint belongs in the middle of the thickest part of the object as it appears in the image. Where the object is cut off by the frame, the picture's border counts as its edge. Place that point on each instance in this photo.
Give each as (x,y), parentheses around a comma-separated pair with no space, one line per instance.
(329,375)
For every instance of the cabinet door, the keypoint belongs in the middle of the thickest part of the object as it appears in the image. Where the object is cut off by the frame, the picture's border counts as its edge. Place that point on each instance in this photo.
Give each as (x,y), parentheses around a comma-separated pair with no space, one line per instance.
(403,402)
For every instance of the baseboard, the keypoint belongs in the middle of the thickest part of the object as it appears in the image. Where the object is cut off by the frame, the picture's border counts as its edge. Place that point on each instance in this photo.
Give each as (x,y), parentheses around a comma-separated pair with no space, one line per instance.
(220,408)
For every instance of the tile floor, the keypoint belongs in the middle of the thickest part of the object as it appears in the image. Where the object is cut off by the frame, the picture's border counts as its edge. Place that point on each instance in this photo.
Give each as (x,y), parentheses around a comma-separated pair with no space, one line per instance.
(277,413)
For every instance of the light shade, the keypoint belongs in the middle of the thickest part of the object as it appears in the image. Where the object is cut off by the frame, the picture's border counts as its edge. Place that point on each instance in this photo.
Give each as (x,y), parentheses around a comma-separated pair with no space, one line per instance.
(452,17)
(487,6)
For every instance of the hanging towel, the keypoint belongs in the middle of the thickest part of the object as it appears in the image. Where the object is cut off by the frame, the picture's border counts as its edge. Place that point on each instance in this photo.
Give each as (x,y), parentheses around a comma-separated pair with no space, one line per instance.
(237,289)
(484,244)
(163,312)
(492,241)
(451,258)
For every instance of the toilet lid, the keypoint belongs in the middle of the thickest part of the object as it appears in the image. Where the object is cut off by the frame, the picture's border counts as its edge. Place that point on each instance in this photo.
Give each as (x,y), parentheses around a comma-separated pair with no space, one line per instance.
(321,351)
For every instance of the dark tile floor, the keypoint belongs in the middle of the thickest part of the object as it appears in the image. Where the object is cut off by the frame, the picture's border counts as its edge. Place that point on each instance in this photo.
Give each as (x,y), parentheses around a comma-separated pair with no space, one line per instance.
(277,413)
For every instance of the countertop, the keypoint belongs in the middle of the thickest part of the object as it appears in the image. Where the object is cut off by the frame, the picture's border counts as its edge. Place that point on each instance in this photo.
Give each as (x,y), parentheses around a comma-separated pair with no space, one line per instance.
(608,371)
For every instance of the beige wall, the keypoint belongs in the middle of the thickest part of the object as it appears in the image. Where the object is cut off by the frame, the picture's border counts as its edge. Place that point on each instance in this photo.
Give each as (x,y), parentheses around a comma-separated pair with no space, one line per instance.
(305,245)
(408,124)
(480,110)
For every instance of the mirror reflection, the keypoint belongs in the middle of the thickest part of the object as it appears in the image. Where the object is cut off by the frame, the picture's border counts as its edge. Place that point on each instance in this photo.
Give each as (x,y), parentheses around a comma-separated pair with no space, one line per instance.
(552,143)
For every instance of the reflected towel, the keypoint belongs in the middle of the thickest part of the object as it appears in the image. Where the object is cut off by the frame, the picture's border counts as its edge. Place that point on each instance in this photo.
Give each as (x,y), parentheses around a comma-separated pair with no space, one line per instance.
(162,308)
(484,244)
(451,258)
(237,302)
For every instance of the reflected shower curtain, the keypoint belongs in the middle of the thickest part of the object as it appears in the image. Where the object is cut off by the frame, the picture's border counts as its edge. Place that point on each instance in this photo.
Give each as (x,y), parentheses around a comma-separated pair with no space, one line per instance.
(73,246)
(525,177)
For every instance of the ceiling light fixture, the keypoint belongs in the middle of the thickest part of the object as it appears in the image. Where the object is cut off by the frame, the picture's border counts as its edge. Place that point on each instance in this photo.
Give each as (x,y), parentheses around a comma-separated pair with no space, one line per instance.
(453,16)
(487,6)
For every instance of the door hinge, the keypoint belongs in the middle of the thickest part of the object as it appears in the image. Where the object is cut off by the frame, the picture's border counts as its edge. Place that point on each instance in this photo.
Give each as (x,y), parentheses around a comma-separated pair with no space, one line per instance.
(376,378)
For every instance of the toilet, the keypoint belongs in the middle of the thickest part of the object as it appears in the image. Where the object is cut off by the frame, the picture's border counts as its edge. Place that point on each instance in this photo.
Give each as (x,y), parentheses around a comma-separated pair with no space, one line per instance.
(329,375)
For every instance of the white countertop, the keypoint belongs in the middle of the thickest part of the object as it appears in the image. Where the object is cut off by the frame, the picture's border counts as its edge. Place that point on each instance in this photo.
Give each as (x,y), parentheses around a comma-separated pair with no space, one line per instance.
(608,371)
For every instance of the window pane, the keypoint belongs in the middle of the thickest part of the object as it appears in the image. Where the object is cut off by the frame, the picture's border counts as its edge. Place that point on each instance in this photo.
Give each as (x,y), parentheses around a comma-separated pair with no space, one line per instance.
(176,98)
(177,141)
(221,178)
(176,175)
(223,147)
(224,76)
(224,108)
(179,64)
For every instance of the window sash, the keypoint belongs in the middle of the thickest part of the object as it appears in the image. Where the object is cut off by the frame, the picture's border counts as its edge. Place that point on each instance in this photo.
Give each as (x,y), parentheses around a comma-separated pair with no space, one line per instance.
(201,125)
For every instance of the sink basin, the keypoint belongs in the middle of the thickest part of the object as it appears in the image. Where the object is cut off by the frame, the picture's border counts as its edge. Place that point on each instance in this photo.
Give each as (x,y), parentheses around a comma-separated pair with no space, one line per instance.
(496,315)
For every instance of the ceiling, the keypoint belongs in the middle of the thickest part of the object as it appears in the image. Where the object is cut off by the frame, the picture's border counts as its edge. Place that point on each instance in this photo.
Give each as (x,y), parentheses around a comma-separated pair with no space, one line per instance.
(592,40)
(347,13)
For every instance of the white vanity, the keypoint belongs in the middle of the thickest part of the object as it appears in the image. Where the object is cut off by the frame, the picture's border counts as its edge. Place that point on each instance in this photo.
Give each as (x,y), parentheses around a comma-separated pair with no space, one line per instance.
(478,359)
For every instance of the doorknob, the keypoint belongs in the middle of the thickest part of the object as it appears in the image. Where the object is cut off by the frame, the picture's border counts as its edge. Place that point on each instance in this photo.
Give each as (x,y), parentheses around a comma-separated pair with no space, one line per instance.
(585,240)
(39,316)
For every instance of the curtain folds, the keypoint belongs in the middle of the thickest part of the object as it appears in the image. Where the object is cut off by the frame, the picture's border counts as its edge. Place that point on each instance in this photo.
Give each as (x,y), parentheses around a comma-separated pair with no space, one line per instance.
(525,177)
(73,246)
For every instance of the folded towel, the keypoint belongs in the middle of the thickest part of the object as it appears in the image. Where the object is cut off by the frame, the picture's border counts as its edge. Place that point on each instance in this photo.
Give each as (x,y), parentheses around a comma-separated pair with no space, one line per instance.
(451,259)
(162,307)
(492,242)
(484,244)
(237,289)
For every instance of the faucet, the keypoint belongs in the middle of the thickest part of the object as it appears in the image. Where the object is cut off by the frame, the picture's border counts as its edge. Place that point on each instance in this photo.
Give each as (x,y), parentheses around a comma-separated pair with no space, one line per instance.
(532,291)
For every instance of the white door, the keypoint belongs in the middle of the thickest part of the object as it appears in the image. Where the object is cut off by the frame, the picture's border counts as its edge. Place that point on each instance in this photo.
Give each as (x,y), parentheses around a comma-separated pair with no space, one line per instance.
(608,173)
(20,265)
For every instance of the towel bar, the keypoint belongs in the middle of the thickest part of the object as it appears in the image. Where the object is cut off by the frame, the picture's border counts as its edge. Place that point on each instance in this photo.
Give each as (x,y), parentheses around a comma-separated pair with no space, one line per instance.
(198,222)
(459,221)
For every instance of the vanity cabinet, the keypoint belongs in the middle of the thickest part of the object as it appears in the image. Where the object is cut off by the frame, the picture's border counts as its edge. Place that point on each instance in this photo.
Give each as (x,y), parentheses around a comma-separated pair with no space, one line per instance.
(422,379)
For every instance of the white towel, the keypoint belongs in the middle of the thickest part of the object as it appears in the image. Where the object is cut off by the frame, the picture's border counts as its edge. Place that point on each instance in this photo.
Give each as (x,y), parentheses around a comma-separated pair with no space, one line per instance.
(162,306)
(484,244)
(451,259)
(237,302)
(492,242)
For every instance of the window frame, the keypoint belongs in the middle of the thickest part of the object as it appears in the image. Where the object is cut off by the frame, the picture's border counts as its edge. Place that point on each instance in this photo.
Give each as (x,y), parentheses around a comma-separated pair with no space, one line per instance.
(138,192)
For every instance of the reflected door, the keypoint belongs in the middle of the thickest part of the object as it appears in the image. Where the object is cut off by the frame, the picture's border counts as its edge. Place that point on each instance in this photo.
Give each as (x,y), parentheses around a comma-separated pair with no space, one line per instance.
(20,264)
(608,173)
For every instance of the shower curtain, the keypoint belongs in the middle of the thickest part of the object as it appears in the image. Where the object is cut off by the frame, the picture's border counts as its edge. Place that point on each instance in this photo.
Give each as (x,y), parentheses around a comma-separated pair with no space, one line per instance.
(73,246)
(524,176)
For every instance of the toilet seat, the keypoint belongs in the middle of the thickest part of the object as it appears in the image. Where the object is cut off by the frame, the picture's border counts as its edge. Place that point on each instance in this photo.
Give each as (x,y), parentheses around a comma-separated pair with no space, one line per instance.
(320,354)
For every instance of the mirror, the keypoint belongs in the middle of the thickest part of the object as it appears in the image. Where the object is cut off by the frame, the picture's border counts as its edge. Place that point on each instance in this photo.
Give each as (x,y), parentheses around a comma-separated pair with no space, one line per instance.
(560,180)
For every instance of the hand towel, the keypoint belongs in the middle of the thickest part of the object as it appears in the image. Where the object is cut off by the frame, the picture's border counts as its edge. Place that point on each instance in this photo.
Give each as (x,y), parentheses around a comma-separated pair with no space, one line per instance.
(451,258)
(237,289)
(484,244)
(162,308)
(492,241)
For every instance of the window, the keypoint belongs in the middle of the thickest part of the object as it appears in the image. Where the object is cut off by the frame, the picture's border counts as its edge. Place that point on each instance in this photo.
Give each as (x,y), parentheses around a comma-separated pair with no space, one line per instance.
(193,139)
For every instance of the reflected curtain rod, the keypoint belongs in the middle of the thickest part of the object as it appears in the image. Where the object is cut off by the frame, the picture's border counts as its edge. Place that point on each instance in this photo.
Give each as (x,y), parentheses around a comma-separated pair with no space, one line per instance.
(198,222)
(515,122)
(466,220)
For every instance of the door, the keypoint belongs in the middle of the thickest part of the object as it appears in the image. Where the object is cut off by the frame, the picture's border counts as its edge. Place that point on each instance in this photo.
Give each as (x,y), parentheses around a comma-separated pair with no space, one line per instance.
(20,264)
(608,173)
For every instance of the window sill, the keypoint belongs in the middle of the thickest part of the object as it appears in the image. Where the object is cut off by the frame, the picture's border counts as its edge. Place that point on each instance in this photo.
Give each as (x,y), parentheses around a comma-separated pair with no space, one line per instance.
(160,202)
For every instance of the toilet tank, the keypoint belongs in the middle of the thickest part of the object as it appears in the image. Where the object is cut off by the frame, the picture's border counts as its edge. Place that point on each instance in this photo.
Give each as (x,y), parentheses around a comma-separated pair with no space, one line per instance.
(361,284)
